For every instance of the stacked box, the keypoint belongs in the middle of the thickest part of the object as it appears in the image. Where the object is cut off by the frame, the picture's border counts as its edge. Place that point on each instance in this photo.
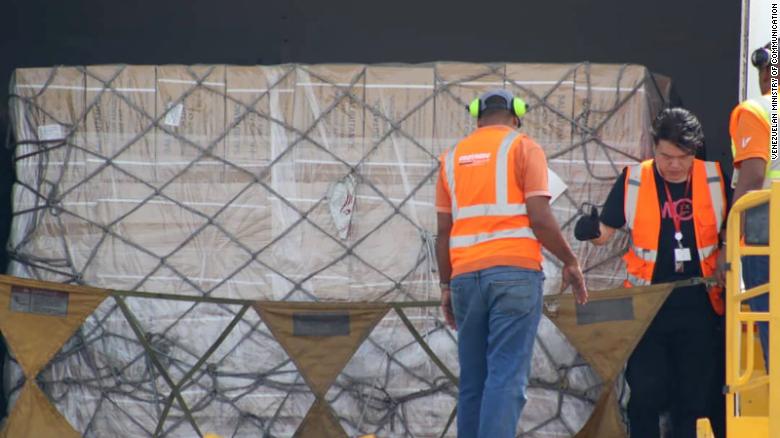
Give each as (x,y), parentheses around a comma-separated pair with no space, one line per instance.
(222,180)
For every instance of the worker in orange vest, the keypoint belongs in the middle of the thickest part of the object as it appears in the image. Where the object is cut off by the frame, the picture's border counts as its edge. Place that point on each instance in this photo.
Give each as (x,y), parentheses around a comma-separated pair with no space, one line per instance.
(754,168)
(673,207)
(494,216)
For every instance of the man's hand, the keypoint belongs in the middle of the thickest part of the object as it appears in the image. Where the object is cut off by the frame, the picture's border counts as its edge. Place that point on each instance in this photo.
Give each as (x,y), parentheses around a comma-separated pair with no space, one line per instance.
(446,307)
(587,227)
(545,227)
(572,275)
(720,271)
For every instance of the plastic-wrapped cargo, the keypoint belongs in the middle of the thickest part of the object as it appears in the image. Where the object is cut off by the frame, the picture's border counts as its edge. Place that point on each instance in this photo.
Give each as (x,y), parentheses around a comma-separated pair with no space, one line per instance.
(290,182)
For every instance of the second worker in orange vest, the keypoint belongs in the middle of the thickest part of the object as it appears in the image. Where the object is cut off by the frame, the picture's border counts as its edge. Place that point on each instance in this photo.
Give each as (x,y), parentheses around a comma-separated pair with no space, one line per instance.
(673,207)
(493,219)
(755,169)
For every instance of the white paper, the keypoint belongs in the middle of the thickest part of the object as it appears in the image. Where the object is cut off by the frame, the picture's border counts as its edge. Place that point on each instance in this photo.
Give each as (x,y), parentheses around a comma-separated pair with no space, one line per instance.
(51,132)
(173,117)
(341,203)
(556,184)
(682,255)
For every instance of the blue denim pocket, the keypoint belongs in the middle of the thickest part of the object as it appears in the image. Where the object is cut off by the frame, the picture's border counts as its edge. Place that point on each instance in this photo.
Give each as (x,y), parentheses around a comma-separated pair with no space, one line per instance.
(459,296)
(516,297)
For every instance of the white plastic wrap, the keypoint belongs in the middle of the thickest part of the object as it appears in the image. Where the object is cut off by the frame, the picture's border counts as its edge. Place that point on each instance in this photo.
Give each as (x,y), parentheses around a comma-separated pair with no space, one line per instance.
(288,182)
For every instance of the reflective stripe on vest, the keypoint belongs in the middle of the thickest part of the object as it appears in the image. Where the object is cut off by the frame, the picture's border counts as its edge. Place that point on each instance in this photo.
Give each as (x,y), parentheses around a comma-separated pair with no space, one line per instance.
(473,239)
(647,255)
(762,107)
(636,281)
(501,207)
(630,208)
(707,251)
(773,167)
(632,195)
(716,192)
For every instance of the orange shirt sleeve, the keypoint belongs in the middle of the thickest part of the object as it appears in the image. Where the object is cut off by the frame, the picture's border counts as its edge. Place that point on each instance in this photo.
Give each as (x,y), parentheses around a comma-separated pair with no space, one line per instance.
(531,169)
(443,202)
(751,138)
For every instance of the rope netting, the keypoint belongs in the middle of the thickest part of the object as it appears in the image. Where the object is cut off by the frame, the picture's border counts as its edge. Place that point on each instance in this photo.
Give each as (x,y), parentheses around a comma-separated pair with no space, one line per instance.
(290,183)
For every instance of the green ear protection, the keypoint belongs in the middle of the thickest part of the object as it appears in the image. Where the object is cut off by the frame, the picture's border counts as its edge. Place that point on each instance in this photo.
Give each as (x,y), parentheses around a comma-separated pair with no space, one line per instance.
(517,105)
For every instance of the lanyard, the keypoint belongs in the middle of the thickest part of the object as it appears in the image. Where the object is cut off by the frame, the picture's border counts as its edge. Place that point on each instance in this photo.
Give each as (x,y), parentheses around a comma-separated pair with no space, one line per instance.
(673,211)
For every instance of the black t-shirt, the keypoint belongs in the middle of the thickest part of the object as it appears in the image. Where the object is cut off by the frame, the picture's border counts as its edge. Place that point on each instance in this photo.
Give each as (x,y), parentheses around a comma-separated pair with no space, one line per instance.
(613,215)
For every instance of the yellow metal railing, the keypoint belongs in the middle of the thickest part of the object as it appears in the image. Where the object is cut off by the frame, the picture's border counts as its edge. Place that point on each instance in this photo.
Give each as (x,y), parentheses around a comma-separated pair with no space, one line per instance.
(741,351)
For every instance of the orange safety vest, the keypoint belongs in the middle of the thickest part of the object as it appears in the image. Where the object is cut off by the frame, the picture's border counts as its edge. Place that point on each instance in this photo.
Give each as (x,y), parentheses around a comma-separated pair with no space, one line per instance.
(643,219)
(489,219)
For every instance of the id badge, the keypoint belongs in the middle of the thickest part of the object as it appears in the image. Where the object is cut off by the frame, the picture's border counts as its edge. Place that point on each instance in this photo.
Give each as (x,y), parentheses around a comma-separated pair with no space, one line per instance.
(682,255)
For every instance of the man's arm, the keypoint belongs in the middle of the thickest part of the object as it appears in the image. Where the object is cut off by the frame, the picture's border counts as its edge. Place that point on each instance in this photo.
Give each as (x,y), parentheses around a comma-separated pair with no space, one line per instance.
(751,177)
(547,231)
(444,227)
(750,137)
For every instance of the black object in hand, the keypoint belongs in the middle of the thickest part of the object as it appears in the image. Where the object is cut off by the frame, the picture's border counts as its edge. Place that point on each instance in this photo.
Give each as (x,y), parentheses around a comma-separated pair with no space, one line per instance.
(587,227)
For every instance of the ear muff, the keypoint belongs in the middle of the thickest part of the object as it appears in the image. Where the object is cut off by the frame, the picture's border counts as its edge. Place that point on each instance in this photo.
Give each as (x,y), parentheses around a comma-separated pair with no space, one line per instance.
(474,108)
(519,107)
(760,57)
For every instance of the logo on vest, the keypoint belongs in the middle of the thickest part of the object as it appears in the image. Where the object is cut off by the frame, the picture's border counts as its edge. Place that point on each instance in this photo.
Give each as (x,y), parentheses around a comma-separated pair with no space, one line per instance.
(683,208)
(474,159)
(745,141)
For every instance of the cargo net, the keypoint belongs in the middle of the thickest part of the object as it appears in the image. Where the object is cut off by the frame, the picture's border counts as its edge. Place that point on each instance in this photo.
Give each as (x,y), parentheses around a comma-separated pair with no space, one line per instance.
(298,183)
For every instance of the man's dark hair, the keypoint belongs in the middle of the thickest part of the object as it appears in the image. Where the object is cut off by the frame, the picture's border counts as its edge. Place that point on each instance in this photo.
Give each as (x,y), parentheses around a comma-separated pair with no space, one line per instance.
(679,126)
(495,105)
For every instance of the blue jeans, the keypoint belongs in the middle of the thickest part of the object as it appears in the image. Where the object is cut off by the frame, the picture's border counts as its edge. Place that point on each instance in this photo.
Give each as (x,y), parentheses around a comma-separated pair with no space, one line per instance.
(497,311)
(755,272)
